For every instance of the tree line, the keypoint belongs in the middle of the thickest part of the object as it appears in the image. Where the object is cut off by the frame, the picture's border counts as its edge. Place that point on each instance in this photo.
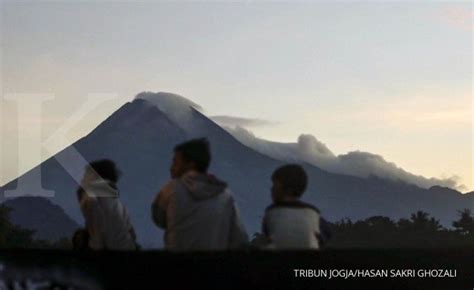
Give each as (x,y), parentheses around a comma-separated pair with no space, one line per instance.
(420,230)
(14,236)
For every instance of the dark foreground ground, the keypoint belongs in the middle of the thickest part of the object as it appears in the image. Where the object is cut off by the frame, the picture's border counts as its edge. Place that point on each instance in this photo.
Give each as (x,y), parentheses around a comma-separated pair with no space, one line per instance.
(26,269)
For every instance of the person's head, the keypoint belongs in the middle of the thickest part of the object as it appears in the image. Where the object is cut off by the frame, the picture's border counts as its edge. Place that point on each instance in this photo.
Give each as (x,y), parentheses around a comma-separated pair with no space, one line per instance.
(194,154)
(289,182)
(105,169)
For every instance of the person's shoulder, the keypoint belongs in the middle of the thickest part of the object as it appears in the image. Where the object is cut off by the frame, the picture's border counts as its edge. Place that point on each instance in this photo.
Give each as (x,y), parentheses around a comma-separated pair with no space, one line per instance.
(170,186)
(292,204)
(167,191)
(227,195)
(227,191)
(89,203)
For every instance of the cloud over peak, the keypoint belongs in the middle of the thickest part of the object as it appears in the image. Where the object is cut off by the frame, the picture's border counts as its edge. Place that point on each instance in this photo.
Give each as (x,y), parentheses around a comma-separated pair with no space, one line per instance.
(233,121)
(306,149)
(356,163)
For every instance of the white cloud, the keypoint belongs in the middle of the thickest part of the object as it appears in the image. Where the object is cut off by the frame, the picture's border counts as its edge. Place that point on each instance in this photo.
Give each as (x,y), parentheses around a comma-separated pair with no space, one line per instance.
(233,121)
(459,17)
(356,163)
(176,107)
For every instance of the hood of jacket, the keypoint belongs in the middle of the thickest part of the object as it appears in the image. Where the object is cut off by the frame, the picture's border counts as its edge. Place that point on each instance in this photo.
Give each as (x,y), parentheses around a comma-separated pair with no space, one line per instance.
(202,186)
(101,188)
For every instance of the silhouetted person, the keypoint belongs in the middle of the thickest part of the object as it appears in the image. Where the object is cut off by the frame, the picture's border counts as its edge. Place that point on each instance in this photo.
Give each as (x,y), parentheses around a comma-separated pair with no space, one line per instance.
(195,208)
(107,221)
(290,223)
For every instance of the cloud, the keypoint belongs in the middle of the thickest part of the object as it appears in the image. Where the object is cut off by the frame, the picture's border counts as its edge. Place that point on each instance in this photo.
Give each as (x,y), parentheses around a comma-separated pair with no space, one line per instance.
(356,163)
(311,150)
(232,121)
(176,107)
(459,17)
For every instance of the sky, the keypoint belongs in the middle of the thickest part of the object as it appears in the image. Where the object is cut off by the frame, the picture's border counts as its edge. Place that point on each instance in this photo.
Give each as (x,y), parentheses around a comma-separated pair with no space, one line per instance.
(392,78)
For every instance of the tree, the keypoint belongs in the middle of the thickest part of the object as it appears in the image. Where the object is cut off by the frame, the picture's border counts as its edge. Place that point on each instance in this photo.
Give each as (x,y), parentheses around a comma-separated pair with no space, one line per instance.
(418,231)
(465,224)
(381,223)
(420,222)
(12,236)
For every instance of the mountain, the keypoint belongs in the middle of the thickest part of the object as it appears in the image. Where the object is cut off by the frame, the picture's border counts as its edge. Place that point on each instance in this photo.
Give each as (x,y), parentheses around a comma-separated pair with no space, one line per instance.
(48,220)
(140,137)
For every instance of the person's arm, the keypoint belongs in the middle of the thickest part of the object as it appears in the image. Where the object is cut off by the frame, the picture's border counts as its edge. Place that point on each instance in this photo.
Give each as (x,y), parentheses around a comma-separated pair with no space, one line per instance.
(263,240)
(238,234)
(80,194)
(160,205)
(265,225)
(260,240)
(94,225)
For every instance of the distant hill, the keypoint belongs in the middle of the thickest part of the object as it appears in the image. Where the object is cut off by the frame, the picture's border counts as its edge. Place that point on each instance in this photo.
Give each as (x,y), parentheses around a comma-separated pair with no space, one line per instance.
(48,220)
(443,190)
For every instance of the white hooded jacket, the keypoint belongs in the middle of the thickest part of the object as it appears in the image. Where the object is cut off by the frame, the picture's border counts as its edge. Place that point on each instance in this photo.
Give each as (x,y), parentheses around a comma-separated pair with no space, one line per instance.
(198,212)
(107,220)
(291,226)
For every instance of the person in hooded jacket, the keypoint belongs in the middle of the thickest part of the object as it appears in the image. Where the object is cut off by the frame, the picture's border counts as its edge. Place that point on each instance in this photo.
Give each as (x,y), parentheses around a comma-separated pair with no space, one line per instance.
(289,223)
(197,209)
(106,220)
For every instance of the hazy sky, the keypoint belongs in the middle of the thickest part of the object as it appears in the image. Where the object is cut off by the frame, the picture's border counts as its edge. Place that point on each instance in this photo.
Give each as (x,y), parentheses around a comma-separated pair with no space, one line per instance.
(391,78)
